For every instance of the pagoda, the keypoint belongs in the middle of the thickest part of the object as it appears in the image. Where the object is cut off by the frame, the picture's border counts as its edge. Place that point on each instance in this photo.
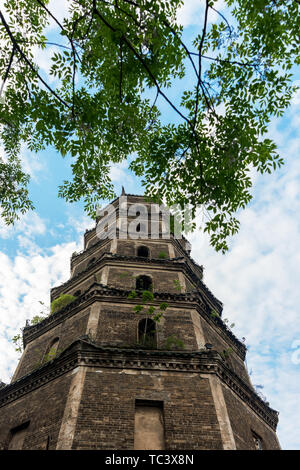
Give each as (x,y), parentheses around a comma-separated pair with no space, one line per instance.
(140,358)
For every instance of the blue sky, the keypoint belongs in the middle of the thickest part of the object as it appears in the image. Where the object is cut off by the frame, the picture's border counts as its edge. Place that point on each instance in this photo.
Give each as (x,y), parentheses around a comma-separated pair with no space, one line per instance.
(257,280)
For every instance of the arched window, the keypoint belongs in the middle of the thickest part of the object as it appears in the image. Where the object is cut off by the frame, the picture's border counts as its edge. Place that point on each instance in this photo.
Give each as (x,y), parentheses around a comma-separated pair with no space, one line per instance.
(144,283)
(147,333)
(51,350)
(143,252)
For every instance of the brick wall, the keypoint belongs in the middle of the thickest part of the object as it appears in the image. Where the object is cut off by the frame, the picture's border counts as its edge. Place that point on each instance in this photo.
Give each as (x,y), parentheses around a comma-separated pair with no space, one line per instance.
(81,263)
(178,323)
(129,248)
(240,413)
(106,413)
(233,361)
(125,278)
(107,406)
(44,409)
(68,331)
(118,325)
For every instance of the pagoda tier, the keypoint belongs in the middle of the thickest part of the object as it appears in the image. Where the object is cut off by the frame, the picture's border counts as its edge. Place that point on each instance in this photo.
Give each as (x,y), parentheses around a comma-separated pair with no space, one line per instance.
(118,377)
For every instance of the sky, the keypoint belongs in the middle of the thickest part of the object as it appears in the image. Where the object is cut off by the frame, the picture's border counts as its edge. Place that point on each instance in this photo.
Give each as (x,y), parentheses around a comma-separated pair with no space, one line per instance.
(257,279)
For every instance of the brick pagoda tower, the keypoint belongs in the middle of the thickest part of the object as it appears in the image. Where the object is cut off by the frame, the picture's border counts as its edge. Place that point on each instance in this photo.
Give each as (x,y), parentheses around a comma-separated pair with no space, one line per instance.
(119,379)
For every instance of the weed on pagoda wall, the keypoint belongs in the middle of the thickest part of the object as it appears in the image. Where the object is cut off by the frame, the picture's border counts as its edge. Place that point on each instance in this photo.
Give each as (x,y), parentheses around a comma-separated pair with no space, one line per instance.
(56,305)
(154,314)
(61,301)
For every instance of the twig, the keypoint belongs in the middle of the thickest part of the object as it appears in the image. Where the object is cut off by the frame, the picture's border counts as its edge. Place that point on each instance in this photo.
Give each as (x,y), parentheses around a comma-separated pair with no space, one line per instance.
(138,56)
(199,84)
(234,62)
(222,16)
(150,112)
(152,77)
(121,69)
(23,55)
(8,69)
(167,24)
(60,25)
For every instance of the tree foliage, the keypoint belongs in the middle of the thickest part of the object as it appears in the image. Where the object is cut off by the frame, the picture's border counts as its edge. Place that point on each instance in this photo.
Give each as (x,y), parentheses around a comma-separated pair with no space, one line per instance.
(108,57)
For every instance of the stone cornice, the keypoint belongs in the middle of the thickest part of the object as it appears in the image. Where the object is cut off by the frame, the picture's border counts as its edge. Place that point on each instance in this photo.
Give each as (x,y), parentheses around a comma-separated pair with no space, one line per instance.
(87,251)
(85,353)
(178,262)
(84,253)
(147,200)
(99,292)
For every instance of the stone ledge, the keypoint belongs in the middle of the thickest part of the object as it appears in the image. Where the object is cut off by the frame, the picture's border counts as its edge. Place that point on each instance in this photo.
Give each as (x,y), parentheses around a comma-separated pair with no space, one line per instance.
(86,353)
(120,295)
(136,259)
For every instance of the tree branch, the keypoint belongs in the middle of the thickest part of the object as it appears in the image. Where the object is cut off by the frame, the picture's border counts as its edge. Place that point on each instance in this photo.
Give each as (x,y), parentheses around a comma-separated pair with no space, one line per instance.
(233,62)
(150,112)
(199,84)
(222,16)
(23,55)
(7,69)
(71,40)
(141,60)
(152,77)
(121,69)
(175,34)
(60,25)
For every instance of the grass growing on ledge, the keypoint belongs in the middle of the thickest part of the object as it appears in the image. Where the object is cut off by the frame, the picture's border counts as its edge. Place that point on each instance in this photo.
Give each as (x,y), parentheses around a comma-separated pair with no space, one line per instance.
(61,301)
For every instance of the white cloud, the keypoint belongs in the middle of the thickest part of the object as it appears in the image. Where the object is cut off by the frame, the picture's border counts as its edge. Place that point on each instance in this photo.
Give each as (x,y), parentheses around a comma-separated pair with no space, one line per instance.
(42,57)
(28,226)
(192,12)
(60,10)
(27,278)
(32,163)
(80,224)
(258,279)
(24,281)
(118,173)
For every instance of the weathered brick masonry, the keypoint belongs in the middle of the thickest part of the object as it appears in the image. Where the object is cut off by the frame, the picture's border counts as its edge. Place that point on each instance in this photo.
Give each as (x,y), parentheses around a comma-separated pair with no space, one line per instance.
(108,386)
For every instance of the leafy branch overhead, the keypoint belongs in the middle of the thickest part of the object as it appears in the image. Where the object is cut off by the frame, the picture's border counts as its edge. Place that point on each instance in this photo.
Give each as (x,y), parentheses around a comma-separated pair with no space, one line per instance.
(108,58)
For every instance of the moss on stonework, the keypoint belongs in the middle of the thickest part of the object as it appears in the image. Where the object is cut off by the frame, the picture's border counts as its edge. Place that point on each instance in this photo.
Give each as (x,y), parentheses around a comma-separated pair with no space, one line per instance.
(61,301)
